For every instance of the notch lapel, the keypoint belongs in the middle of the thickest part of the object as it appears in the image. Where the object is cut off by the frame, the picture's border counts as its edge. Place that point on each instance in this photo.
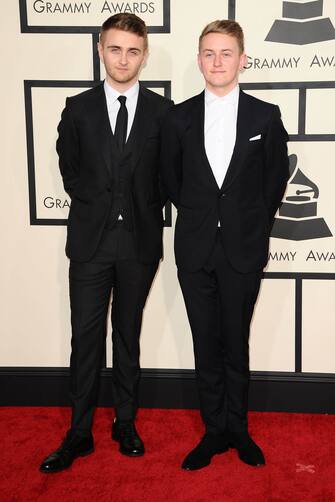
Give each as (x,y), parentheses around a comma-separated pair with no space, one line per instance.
(241,143)
(198,122)
(141,127)
(98,114)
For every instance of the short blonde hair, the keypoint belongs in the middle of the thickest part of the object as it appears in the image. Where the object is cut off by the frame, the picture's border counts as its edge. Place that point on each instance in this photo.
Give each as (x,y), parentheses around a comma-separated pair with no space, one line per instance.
(227,27)
(126,22)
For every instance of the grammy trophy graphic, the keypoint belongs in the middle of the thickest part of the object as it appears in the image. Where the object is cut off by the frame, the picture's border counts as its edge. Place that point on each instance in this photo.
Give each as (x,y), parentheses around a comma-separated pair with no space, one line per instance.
(297,219)
(303,23)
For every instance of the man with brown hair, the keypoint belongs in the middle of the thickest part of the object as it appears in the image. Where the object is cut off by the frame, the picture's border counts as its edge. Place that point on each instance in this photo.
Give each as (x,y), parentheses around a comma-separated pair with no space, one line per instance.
(108,147)
(225,168)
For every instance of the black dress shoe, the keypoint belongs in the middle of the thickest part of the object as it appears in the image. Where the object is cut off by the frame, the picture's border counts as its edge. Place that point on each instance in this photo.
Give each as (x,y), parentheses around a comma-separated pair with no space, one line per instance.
(126,434)
(201,456)
(248,451)
(72,447)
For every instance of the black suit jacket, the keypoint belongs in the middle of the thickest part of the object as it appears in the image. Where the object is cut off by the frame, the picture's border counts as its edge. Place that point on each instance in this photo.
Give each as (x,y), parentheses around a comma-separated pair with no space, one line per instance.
(251,192)
(85,146)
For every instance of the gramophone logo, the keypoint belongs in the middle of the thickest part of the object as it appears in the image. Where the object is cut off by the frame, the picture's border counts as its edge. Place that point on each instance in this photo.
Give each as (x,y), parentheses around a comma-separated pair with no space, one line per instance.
(303,23)
(298,220)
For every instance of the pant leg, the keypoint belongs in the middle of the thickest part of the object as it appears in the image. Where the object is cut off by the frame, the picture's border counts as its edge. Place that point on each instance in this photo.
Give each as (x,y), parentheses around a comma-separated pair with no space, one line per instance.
(200,291)
(238,293)
(132,284)
(90,289)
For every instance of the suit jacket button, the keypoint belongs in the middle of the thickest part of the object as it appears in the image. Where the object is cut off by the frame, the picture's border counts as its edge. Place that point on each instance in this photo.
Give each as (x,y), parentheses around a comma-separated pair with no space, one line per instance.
(109,189)
(223,195)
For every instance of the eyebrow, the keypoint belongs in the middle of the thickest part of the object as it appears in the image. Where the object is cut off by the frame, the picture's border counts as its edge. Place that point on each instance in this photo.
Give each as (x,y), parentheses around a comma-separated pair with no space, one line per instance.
(221,50)
(119,47)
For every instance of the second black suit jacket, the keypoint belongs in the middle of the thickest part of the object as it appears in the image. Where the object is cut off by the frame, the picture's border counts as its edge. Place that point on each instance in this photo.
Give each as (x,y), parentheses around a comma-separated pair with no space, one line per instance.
(251,192)
(85,145)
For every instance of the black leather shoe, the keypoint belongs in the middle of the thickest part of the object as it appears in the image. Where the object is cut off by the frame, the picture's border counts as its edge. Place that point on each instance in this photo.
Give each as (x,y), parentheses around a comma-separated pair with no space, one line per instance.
(72,447)
(126,434)
(201,456)
(248,451)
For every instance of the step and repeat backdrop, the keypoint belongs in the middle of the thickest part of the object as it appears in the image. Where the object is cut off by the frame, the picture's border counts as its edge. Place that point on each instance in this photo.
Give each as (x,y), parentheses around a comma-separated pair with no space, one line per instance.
(48,52)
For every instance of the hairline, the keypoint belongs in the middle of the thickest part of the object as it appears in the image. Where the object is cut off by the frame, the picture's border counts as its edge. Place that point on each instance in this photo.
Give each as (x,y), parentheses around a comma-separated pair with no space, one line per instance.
(221,33)
(102,32)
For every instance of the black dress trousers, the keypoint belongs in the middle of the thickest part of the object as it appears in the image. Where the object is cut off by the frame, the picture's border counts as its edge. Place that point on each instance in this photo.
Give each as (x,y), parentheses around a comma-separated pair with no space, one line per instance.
(219,303)
(113,270)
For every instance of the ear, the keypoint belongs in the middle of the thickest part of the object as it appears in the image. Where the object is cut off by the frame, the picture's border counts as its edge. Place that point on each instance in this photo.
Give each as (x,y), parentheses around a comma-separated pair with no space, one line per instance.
(243,61)
(145,57)
(100,51)
(199,62)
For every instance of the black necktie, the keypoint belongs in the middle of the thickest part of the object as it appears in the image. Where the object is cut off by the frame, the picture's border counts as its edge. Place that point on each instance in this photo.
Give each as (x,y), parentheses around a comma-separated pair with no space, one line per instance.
(121,124)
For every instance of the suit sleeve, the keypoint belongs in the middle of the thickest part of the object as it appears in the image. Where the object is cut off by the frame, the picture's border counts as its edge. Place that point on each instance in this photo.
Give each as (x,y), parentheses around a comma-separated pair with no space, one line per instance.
(67,147)
(276,172)
(171,159)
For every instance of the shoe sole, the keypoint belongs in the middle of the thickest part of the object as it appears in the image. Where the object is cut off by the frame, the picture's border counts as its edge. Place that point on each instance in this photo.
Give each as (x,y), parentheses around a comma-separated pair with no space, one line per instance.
(250,463)
(195,468)
(224,450)
(131,454)
(245,460)
(83,454)
(117,439)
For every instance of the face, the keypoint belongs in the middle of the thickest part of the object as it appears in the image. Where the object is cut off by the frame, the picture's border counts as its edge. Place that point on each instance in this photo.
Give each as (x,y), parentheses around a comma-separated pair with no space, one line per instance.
(220,62)
(123,55)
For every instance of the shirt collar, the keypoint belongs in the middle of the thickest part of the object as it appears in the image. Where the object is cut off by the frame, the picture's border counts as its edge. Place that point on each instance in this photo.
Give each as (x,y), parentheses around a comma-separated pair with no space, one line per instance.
(112,94)
(232,97)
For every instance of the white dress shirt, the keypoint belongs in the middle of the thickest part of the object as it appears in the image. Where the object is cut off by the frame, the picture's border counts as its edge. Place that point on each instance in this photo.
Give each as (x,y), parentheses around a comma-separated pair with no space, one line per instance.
(220,130)
(113,104)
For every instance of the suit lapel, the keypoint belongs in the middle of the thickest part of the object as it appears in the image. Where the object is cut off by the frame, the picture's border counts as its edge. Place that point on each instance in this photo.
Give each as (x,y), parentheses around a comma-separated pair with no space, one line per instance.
(141,127)
(140,130)
(240,149)
(198,122)
(98,113)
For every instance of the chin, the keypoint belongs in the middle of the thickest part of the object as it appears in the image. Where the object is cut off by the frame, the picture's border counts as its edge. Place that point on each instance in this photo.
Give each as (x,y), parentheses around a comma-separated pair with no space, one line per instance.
(123,76)
(220,84)
(123,80)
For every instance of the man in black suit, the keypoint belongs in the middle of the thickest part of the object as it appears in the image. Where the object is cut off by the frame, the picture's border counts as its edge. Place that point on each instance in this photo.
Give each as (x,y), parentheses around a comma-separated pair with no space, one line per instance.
(108,147)
(225,168)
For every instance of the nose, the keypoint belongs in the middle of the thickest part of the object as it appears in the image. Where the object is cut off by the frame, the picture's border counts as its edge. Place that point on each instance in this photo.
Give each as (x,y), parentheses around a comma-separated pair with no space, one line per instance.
(124,58)
(217,60)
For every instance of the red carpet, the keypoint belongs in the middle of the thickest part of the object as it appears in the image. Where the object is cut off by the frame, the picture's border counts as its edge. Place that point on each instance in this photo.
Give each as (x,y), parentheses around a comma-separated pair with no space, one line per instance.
(300,453)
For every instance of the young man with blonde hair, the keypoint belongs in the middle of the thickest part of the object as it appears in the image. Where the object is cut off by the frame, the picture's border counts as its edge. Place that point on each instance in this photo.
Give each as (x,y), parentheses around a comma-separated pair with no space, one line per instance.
(225,168)
(108,147)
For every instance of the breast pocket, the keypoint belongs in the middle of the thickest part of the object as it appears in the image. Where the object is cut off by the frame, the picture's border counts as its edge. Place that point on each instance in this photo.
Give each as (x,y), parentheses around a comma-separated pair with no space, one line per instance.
(151,147)
(153,132)
(255,146)
(153,138)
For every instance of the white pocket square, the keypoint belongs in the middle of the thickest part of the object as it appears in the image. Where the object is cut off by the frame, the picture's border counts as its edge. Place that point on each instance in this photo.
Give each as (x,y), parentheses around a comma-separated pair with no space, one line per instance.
(254,138)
